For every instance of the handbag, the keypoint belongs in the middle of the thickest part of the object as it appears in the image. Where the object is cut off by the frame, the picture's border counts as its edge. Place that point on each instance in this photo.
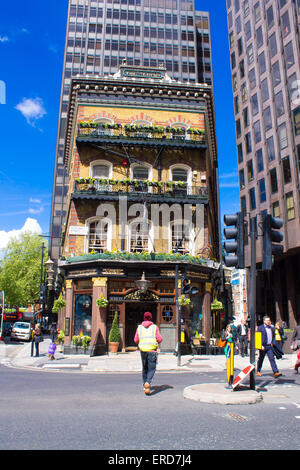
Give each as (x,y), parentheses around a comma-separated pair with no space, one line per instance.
(221,343)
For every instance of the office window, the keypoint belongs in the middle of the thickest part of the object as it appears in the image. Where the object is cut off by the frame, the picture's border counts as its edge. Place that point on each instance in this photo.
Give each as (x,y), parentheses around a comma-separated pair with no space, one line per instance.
(262,63)
(236,5)
(296,114)
(257,132)
(246,8)
(242,69)
(259,160)
(240,46)
(259,37)
(252,79)
(244,92)
(248,142)
(246,117)
(289,55)
(273,181)
(279,105)
(276,209)
(262,190)
(243,206)
(236,104)
(290,208)
(267,118)
(282,3)
(248,33)
(242,179)
(238,128)
(285,24)
(282,136)
(273,45)
(252,199)
(250,172)
(270,149)
(264,90)
(257,12)
(276,76)
(270,17)
(233,61)
(254,104)
(240,153)
(286,170)
(250,54)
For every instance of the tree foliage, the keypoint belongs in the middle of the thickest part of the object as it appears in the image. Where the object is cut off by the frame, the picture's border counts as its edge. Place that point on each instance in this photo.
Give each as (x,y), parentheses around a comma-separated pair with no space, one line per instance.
(21,270)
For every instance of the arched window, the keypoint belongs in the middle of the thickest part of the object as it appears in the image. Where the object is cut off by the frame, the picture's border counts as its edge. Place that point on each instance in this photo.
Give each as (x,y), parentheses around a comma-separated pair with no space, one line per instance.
(181,238)
(140,236)
(141,173)
(99,235)
(101,169)
(182,173)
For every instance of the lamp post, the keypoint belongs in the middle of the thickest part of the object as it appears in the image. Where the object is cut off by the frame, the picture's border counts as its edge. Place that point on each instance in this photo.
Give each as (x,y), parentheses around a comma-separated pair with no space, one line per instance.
(50,280)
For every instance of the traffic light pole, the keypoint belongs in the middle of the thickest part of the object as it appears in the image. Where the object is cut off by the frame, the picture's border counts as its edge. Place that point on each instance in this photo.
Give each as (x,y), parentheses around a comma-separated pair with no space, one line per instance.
(252,298)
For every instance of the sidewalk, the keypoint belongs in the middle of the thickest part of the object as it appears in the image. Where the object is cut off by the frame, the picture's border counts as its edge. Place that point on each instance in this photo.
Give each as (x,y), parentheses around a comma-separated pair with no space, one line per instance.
(15,355)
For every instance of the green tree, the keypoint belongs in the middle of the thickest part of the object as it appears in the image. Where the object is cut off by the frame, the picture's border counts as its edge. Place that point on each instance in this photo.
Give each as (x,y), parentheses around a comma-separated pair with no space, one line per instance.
(20,271)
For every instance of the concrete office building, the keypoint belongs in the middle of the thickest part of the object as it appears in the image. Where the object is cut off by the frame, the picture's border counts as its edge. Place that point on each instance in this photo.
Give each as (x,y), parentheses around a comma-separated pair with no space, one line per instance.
(265,64)
(101,35)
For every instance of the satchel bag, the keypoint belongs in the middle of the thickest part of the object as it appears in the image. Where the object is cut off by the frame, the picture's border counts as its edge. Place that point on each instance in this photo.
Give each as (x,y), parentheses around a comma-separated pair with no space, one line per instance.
(221,343)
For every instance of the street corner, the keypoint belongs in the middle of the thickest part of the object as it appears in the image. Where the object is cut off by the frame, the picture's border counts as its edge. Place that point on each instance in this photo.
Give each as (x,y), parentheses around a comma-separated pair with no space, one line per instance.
(218,394)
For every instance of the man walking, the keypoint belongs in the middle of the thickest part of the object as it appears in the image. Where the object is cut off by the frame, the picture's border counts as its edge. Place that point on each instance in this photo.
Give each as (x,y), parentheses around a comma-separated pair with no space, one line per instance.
(267,339)
(242,332)
(148,338)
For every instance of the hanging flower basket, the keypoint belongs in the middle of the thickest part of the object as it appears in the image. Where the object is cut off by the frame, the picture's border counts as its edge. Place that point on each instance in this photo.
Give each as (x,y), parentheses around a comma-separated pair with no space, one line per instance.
(183,301)
(102,301)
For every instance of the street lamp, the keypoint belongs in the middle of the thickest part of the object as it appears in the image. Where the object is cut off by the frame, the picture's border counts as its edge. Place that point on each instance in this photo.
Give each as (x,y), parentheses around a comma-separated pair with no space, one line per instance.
(50,273)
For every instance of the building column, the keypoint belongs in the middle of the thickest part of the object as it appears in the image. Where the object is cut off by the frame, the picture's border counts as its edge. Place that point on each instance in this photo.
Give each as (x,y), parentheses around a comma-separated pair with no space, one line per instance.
(99,313)
(69,320)
(206,311)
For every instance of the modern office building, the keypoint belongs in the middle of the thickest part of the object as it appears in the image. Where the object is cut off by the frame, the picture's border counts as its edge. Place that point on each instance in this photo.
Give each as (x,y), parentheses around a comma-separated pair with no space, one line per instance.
(265,64)
(101,35)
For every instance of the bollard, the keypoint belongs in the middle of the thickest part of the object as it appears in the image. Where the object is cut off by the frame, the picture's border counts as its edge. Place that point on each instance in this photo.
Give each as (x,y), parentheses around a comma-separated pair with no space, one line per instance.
(229,363)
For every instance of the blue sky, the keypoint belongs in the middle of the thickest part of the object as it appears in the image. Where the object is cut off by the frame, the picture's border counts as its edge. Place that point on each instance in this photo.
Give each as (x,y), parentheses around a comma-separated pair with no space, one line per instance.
(32,38)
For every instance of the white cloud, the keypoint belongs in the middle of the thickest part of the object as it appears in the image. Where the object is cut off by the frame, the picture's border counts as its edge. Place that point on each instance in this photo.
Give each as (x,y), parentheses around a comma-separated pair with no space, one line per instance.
(31,225)
(3,39)
(32,109)
(35,201)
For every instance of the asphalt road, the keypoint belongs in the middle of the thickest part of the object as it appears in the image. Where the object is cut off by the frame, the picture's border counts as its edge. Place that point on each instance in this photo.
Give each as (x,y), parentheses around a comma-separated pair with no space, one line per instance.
(69,411)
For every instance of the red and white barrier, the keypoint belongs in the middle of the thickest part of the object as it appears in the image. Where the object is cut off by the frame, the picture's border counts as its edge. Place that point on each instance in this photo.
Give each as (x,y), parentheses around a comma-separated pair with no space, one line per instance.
(242,375)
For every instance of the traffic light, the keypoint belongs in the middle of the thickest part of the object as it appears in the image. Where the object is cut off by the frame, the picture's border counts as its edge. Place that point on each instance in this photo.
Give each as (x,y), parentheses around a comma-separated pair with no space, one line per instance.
(43,294)
(188,288)
(237,246)
(271,233)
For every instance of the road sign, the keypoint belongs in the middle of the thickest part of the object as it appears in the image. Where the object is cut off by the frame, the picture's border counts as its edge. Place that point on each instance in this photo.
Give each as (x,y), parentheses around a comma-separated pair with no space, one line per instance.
(242,375)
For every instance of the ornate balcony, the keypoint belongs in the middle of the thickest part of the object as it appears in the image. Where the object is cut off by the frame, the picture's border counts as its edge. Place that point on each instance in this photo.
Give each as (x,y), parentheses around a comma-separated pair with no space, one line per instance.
(109,189)
(151,136)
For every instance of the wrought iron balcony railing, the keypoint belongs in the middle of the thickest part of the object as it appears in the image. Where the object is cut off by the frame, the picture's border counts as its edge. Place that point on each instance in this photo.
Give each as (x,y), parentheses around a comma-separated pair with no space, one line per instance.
(171,189)
(162,136)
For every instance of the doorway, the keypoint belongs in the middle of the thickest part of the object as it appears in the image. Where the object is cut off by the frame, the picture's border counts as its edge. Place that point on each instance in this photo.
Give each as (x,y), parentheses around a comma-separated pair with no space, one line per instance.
(134,316)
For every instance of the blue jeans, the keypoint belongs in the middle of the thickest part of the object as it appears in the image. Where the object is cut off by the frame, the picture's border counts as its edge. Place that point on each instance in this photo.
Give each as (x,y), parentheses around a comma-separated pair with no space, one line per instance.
(149,360)
(37,348)
(267,351)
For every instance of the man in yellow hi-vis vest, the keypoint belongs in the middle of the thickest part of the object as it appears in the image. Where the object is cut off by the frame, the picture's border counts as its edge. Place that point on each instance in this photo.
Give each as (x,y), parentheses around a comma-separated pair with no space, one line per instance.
(148,338)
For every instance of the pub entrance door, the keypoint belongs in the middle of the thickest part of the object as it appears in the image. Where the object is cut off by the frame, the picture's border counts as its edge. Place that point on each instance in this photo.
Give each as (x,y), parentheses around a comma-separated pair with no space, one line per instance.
(134,315)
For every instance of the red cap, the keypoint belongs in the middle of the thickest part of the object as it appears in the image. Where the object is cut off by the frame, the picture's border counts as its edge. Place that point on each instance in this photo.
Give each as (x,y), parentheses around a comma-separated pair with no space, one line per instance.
(147,316)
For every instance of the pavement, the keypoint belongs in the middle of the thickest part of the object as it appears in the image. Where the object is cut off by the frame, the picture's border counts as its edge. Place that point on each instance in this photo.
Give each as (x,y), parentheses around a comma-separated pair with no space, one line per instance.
(267,388)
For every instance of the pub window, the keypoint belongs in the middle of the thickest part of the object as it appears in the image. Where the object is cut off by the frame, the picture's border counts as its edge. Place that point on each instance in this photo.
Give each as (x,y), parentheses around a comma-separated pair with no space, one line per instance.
(167,313)
(139,237)
(98,238)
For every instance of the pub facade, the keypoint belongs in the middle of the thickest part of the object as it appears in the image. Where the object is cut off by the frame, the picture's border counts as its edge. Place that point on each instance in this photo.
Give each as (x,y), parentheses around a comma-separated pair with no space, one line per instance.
(142,207)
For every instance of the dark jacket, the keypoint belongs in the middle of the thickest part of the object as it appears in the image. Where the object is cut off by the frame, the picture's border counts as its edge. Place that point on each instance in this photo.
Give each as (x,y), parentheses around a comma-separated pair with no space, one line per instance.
(239,330)
(264,337)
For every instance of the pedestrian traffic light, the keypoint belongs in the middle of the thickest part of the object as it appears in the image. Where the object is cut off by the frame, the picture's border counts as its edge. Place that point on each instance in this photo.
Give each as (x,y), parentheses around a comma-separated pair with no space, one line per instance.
(237,259)
(271,233)
(43,294)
